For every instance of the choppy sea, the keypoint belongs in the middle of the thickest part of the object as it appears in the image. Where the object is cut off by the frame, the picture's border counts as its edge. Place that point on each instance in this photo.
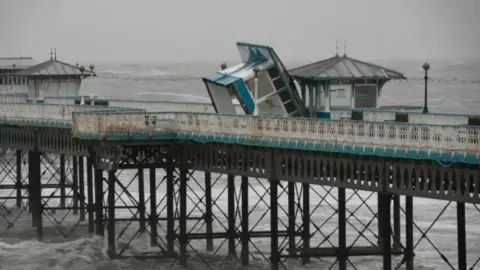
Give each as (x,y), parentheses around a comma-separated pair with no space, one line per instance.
(454,87)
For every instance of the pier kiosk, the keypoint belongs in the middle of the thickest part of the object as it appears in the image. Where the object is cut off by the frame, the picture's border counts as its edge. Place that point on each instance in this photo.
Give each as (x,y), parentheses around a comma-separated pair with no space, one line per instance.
(54,78)
(9,82)
(260,84)
(341,82)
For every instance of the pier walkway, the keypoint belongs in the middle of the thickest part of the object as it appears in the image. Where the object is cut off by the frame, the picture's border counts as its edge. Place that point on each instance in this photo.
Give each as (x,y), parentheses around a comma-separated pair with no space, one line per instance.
(378,135)
(424,155)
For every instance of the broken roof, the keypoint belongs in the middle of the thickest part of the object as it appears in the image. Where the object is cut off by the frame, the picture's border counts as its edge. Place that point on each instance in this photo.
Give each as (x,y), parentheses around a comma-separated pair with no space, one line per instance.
(344,67)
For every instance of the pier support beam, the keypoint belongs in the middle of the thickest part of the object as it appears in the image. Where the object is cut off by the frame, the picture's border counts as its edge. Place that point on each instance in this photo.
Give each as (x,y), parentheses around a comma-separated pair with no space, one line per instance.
(275,253)
(34,177)
(397,232)
(386,245)
(141,200)
(342,230)
(231,216)
(99,202)
(111,251)
(183,216)
(461,236)
(81,180)
(153,207)
(208,210)
(63,182)
(170,211)
(409,232)
(90,206)
(306,221)
(291,219)
(18,154)
(75,185)
(245,237)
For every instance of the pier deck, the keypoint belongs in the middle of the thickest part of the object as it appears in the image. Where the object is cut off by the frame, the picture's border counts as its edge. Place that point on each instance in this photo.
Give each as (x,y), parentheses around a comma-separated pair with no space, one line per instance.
(433,156)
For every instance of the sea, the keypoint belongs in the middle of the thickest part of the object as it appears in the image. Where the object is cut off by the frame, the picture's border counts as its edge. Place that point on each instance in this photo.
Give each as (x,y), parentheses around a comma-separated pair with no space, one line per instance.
(454,86)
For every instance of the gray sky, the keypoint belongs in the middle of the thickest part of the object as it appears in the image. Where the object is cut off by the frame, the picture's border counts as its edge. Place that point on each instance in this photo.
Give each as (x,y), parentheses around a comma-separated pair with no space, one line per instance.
(304,30)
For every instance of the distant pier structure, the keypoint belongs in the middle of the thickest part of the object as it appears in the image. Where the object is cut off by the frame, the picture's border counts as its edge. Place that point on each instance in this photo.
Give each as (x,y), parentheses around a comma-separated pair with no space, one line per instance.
(54,78)
(341,82)
(9,66)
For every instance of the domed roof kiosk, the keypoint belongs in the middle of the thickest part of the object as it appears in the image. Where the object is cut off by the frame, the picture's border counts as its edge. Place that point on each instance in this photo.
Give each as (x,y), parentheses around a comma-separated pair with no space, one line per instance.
(54,78)
(341,82)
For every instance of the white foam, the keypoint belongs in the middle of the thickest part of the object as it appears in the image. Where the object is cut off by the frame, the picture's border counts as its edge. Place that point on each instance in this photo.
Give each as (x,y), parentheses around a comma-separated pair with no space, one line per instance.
(194,97)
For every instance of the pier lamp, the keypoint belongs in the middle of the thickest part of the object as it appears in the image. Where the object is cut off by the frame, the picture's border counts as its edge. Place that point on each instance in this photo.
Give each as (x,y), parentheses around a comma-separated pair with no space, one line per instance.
(426,67)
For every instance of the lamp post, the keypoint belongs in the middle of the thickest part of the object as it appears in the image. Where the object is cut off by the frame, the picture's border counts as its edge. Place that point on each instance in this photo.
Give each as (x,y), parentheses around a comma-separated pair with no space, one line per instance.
(426,67)
(255,71)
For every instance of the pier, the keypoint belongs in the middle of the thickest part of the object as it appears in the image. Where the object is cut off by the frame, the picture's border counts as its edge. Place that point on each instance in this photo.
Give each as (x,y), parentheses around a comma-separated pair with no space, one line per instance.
(284,157)
(183,183)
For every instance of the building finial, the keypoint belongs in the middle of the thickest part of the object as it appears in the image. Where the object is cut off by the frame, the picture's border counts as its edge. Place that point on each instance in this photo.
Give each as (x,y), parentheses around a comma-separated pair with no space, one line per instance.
(345,47)
(55,54)
(51,54)
(336,53)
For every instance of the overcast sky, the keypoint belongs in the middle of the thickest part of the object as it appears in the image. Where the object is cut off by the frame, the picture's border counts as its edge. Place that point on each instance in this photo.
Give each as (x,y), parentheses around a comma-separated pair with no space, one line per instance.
(160,30)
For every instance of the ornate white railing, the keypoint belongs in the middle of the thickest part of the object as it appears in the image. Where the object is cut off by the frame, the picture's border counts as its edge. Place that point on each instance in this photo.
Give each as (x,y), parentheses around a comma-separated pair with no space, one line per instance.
(53,112)
(413,117)
(436,137)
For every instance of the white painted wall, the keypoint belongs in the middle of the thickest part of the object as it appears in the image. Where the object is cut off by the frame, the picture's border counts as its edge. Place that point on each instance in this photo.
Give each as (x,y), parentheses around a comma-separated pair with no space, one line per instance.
(222,99)
(340,96)
(38,89)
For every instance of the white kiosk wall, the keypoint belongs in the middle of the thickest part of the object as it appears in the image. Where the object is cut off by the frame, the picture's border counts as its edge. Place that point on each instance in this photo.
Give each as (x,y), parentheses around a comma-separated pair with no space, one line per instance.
(340,97)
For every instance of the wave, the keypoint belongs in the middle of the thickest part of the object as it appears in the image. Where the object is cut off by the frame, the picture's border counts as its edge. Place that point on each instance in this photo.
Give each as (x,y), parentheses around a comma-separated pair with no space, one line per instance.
(192,97)
(152,73)
(112,71)
(85,253)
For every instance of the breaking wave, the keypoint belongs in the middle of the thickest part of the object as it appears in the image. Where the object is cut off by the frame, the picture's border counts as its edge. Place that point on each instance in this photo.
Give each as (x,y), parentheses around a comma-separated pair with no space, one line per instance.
(85,253)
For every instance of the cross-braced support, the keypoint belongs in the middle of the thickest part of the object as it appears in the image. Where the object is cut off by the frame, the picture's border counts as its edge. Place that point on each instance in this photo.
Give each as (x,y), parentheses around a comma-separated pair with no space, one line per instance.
(45,185)
(217,205)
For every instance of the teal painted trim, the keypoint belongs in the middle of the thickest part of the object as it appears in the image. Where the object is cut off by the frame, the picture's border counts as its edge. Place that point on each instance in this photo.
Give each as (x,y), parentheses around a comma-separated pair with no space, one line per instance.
(245,95)
(284,89)
(323,115)
(240,43)
(421,154)
(23,122)
(125,136)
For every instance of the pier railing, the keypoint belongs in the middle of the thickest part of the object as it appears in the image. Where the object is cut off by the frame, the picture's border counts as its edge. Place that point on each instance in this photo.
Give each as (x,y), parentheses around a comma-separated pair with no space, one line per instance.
(336,132)
(373,115)
(48,114)
(369,115)
(157,106)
